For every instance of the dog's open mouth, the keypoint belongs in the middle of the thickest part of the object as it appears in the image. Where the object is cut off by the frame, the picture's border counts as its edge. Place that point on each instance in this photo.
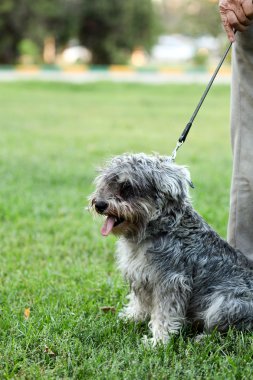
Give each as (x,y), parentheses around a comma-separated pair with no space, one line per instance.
(109,224)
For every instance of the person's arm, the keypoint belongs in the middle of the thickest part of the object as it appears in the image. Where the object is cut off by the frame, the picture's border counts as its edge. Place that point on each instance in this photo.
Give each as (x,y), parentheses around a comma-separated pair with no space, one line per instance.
(235,15)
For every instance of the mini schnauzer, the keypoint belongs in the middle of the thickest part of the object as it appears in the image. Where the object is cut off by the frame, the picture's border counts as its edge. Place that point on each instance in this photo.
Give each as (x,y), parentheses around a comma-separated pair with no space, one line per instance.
(179,269)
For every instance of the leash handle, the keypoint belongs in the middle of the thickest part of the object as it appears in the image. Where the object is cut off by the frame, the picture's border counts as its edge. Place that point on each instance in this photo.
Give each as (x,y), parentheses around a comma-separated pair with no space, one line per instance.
(185,132)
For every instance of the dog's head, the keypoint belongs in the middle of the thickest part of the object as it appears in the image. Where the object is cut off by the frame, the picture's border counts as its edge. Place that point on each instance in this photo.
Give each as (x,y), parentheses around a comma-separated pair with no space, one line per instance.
(133,190)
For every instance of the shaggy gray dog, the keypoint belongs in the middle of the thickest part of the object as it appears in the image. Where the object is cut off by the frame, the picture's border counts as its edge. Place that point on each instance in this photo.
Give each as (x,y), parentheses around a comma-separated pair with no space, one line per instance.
(180,271)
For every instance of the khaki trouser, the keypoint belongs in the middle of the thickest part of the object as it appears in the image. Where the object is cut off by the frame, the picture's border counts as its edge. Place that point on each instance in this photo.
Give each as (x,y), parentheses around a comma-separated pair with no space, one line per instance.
(240,227)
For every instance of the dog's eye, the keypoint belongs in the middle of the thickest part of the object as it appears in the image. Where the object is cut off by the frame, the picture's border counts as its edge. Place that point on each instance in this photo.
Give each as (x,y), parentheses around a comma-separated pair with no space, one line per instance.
(126,190)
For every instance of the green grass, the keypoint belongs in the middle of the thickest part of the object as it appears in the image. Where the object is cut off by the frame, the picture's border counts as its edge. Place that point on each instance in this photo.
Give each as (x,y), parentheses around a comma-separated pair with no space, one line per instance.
(53,259)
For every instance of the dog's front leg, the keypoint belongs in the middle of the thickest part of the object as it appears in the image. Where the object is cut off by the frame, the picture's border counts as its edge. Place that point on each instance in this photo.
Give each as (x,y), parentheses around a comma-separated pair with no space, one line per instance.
(133,310)
(138,307)
(169,311)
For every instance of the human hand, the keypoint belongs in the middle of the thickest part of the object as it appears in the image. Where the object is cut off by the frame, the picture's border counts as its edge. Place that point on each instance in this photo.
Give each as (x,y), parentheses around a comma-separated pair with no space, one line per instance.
(235,15)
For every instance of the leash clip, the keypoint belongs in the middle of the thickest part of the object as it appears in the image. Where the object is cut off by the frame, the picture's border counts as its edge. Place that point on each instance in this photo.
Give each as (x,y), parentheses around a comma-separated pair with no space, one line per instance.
(174,153)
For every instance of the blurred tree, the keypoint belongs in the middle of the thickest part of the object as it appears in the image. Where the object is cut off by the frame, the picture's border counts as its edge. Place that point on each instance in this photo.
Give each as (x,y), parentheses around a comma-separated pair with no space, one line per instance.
(191,17)
(55,18)
(34,20)
(28,51)
(203,17)
(13,15)
(112,28)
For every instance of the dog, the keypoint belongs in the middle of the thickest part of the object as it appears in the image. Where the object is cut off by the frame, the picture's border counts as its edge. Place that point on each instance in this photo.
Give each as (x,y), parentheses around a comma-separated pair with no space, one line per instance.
(180,271)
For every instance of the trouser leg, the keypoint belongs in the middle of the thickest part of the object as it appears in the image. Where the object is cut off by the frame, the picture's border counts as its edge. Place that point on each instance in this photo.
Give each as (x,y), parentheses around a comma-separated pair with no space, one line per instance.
(240,227)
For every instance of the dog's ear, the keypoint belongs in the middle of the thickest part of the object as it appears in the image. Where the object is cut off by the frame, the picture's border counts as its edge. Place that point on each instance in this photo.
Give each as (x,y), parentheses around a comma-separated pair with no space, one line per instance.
(174,181)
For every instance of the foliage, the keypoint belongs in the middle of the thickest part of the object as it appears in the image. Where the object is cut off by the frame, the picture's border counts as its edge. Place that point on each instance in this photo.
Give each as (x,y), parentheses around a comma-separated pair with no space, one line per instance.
(110,28)
(29,50)
(191,17)
(13,15)
(33,20)
(201,58)
(56,271)
(113,27)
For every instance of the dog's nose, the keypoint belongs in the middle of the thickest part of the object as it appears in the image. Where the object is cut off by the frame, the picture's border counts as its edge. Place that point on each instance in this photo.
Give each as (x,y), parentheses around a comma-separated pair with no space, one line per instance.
(101,206)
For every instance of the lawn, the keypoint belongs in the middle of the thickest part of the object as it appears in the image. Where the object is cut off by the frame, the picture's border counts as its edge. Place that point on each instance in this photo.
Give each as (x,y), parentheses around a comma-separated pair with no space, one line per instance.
(57,272)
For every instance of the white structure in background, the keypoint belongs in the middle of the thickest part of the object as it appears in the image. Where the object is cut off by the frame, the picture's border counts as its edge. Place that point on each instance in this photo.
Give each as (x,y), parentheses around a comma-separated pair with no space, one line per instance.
(173,49)
(76,54)
(210,43)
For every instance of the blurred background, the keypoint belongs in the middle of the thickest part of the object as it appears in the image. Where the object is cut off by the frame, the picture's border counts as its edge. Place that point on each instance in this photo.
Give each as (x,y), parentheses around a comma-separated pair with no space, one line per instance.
(144,33)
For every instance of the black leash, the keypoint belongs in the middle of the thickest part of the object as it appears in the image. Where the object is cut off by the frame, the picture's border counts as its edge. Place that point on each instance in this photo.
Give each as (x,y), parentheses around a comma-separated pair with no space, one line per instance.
(185,132)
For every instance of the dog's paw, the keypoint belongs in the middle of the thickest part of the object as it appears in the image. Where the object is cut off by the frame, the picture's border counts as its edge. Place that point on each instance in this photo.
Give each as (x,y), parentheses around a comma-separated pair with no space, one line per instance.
(200,338)
(122,315)
(148,342)
(154,342)
(128,314)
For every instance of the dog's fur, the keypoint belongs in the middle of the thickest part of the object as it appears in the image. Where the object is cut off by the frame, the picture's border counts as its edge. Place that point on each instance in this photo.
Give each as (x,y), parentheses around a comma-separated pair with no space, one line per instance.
(180,271)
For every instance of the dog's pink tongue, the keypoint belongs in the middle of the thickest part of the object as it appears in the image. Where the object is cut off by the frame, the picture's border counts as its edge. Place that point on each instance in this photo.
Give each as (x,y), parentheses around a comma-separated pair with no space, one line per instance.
(108,226)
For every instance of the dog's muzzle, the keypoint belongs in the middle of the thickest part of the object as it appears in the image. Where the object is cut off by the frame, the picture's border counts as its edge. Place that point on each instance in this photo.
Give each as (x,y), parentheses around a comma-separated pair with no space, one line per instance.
(111,221)
(101,206)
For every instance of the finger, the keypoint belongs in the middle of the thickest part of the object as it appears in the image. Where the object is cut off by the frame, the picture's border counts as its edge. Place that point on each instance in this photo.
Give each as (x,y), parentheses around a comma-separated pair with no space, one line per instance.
(240,15)
(247,6)
(228,28)
(236,7)
(234,22)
